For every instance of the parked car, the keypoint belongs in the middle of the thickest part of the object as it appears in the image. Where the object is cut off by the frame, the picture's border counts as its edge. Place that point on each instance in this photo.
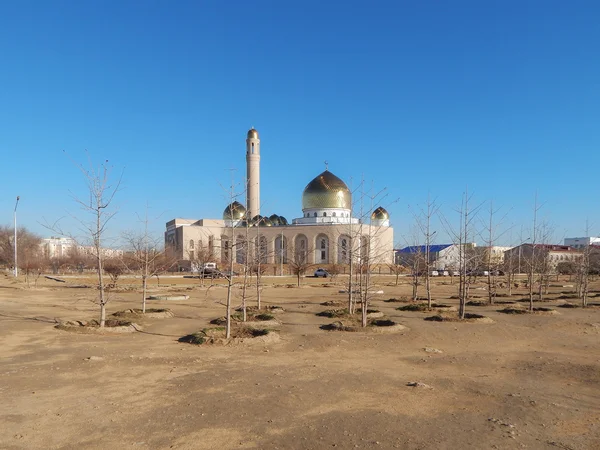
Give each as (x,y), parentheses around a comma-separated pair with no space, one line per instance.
(435,273)
(321,273)
(443,273)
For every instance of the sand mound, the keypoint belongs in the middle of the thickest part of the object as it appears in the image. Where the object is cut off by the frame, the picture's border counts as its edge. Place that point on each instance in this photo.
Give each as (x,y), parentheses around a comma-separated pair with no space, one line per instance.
(151,313)
(112,326)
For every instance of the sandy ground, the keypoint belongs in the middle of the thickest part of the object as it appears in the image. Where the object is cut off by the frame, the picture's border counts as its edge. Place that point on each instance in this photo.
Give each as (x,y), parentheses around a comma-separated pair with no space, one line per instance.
(524,381)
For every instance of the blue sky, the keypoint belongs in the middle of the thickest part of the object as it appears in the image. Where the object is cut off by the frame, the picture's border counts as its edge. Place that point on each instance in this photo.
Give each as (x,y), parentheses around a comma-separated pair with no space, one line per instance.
(416,97)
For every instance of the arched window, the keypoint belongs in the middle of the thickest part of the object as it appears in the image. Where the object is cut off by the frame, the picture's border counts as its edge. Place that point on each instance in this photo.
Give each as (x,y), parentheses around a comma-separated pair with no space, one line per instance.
(240,249)
(333,214)
(322,244)
(281,250)
(315,215)
(225,249)
(325,214)
(191,243)
(343,249)
(301,249)
(253,148)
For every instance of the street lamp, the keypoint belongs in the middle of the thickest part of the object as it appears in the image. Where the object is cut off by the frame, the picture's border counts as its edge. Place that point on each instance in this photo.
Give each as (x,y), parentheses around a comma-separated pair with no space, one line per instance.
(15,217)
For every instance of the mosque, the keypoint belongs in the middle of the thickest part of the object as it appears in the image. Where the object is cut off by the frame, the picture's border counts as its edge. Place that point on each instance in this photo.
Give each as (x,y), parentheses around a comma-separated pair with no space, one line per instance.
(326,233)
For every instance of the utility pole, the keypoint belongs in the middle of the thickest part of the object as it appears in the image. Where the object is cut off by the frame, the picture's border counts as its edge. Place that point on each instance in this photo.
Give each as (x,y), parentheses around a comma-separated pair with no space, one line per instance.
(15,218)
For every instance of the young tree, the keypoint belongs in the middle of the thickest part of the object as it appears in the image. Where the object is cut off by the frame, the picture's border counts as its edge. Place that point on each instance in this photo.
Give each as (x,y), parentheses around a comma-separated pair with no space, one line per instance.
(492,262)
(397,270)
(370,251)
(423,222)
(536,260)
(101,191)
(299,263)
(146,256)
(467,256)
(583,269)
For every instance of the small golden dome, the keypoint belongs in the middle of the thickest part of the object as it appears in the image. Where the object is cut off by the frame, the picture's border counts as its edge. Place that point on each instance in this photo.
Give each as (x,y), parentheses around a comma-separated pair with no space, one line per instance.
(380,214)
(235,211)
(326,191)
(252,133)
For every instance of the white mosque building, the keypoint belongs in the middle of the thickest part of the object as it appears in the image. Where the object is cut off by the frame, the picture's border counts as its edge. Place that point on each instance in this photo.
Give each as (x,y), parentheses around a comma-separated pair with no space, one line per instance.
(326,233)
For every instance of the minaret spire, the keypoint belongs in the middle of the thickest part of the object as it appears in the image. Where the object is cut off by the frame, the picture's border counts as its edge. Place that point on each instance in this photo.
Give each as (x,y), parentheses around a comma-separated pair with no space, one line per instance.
(252,173)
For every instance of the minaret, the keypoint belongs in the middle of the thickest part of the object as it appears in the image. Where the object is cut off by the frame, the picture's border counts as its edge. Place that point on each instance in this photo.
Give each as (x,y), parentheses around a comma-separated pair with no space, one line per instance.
(252,174)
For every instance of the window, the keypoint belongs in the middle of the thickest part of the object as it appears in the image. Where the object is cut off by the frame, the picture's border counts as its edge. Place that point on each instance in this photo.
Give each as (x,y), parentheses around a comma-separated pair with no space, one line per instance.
(324,214)
(315,215)
(333,214)
(191,243)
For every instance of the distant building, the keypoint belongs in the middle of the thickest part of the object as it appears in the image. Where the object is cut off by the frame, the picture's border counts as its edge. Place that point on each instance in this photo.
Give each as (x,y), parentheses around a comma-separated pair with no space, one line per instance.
(57,247)
(64,247)
(582,242)
(494,255)
(441,256)
(550,255)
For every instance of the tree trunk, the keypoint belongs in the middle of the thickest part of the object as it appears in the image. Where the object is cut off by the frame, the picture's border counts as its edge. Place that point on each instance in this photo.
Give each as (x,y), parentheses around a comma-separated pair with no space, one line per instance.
(258,305)
(244,289)
(490,293)
(144,285)
(101,288)
(228,311)
(428,287)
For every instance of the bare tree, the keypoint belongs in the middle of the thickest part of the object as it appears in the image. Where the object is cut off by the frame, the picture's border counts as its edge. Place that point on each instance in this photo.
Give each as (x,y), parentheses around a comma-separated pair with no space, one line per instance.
(509,267)
(370,252)
(532,261)
(101,192)
(413,257)
(199,258)
(467,257)
(33,266)
(114,268)
(423,222)
(299,263)
(28,246)
(583,268)
(146,256)
(396,269)
(492,262)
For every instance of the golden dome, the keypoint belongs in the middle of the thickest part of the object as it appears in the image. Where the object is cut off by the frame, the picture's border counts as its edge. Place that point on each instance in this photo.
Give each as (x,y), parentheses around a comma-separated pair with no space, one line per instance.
(326,191)
(380,214)
(235,211)
(252,133)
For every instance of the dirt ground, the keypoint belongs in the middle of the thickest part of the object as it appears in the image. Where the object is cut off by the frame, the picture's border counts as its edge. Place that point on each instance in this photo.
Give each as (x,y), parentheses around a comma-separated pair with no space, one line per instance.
(523,381)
